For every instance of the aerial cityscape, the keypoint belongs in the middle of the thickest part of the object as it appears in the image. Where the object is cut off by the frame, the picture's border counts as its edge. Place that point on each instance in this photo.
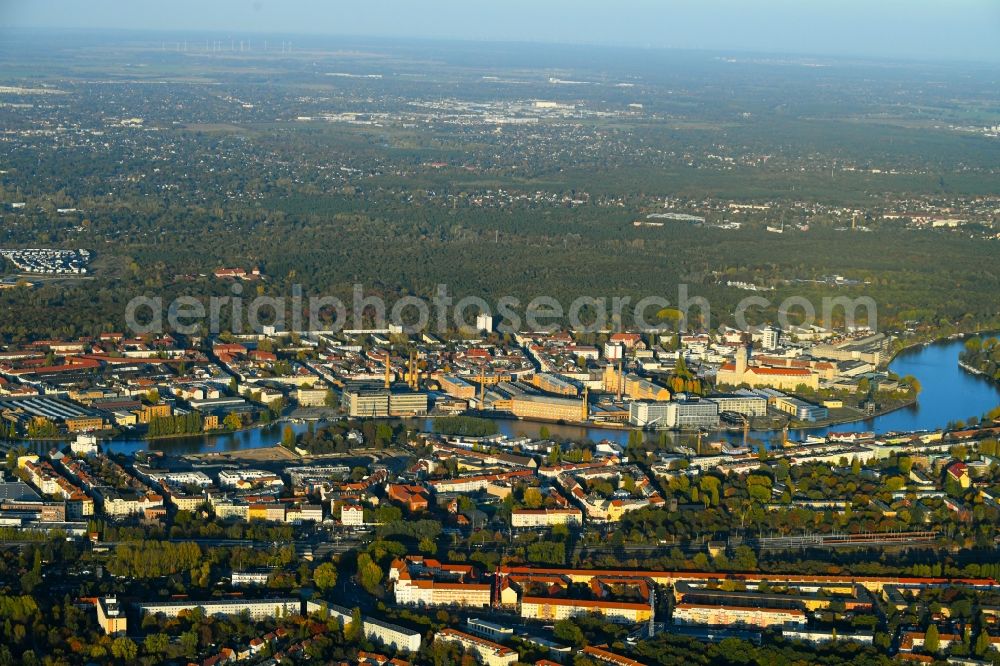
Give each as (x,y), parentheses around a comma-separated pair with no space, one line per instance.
(380,344)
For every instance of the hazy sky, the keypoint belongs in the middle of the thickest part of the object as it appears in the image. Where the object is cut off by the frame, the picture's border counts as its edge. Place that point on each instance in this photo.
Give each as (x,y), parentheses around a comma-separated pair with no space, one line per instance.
(923,29)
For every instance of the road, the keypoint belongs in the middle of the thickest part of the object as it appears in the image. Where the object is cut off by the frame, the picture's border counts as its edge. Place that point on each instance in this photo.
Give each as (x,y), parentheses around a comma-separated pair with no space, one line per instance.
(319,544)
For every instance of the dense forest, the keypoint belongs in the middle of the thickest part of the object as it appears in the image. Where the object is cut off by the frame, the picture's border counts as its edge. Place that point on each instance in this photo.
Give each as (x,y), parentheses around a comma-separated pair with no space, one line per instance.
(166,179)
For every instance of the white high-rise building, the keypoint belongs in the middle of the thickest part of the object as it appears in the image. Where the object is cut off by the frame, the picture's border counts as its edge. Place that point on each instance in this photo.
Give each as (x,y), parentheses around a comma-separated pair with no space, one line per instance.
(769,338)
(484,322)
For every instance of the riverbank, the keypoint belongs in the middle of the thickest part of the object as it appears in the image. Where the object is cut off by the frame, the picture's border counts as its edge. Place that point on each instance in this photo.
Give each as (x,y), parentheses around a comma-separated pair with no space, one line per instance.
(183,435)
(968,368)
(847,420)
(949,393)
(938,339)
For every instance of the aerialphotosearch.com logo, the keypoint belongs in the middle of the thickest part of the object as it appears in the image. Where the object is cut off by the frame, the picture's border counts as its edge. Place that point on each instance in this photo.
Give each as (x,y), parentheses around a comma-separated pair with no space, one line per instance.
(190,315)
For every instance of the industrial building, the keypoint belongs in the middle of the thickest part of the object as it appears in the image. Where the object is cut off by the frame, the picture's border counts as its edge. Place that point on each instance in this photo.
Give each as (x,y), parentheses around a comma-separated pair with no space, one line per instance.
(548,408)
(800,409)
(457,387)
(554,384)
(870,349)
(630,385)
(370,400)
(311,397)
(48,407)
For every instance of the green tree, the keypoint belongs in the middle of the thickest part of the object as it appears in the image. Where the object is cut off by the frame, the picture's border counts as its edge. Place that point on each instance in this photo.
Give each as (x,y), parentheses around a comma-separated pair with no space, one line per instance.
(932,639)
(428,546)
(383,435)
(568,632)
(325,576)
(124,648)
(369,573)
(983,644)
(156,644)
(354,630)
(189,643)
(387,513)
(711,485)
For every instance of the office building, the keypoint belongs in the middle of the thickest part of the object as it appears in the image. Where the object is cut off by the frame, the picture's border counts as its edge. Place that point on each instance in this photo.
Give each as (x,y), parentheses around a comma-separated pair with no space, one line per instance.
(484,322)
(745,403)
(683,414)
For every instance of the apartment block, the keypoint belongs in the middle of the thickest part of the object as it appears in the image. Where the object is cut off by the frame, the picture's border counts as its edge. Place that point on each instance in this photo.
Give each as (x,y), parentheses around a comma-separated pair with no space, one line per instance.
(377,631)
(257,608)
(545,517)
(486,652)
(111,617)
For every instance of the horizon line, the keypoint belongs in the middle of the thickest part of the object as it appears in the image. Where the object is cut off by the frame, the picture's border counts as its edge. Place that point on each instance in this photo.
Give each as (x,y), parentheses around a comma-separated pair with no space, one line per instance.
(856,58)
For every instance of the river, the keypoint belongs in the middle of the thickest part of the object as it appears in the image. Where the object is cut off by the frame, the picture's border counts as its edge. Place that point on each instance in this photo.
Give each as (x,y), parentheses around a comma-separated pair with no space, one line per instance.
(949,394)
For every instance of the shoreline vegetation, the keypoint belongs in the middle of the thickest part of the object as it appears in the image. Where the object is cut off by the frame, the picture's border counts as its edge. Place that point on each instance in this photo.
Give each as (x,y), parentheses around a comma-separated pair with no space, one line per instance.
(981,357)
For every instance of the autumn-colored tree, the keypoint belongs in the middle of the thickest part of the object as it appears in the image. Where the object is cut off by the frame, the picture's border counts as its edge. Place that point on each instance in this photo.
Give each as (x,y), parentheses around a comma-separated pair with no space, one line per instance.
(532,497)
